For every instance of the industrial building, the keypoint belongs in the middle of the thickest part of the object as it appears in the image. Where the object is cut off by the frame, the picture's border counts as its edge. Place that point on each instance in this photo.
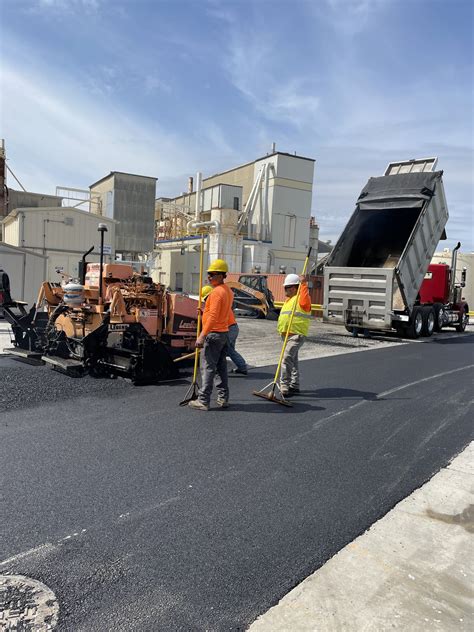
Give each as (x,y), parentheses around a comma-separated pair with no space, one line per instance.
(262,214)
(128,199)
(60,234)
(27,271)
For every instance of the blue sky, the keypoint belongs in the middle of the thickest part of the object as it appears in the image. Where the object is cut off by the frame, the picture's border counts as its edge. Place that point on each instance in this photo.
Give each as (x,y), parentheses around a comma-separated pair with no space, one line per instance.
(169,88)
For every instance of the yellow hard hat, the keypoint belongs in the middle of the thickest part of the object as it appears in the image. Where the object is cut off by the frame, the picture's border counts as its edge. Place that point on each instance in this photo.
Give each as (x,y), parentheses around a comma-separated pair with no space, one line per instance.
(205,291)
(218,265)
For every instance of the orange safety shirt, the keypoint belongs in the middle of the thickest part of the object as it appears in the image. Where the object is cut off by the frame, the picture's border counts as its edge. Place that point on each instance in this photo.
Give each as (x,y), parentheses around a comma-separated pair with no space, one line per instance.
(217,311)
(305,298)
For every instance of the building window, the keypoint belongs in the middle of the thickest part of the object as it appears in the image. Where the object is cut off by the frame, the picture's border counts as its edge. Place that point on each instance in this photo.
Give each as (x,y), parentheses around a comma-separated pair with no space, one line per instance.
(289,231)
(236,204)
(179,282)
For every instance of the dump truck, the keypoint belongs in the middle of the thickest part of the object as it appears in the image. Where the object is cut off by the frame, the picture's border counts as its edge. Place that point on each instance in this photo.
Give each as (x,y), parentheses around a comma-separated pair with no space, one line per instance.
(378,276)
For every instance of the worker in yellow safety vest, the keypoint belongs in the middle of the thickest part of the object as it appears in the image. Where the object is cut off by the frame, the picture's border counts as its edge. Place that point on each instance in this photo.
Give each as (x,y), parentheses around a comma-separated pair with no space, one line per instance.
(290,377)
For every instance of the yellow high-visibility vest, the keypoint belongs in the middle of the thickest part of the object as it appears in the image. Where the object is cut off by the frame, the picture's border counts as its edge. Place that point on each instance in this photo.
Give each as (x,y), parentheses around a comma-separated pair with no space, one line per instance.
(301,319)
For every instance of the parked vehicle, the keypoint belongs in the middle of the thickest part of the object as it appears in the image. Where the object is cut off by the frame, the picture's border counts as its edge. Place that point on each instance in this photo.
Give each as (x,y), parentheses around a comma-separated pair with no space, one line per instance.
(379,277)
(252,297)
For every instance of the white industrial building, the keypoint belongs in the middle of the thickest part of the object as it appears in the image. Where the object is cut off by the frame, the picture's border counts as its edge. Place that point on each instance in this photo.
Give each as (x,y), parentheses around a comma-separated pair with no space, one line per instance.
(262,213)
(26,270)
(61,234)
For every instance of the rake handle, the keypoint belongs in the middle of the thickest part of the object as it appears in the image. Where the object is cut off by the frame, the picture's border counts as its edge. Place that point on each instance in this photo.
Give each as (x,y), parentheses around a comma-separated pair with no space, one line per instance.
(198,330)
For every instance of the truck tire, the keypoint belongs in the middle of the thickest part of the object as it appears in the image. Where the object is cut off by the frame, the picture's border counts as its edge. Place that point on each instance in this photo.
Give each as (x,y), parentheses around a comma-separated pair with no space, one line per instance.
(464,320)
(429,321)
(415,325)
(439,316)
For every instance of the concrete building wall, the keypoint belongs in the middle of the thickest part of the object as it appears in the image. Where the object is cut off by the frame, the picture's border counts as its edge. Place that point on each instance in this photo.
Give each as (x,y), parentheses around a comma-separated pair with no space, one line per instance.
(175,259)
(62,234)
(27,271)
(130,200)
(25,199)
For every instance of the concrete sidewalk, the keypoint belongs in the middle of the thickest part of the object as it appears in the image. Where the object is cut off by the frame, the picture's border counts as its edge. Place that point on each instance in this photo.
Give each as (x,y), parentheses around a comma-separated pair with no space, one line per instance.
(412,570)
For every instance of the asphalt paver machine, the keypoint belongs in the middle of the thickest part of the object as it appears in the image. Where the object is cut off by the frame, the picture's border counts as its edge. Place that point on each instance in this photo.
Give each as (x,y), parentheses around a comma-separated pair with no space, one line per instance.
(119,323)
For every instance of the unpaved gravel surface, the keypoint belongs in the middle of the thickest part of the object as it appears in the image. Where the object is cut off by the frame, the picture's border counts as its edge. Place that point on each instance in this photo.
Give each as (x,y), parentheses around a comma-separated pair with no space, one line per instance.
(260,343)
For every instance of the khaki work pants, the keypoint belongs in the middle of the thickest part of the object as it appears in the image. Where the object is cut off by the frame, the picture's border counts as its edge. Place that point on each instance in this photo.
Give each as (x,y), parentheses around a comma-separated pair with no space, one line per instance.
(290,376)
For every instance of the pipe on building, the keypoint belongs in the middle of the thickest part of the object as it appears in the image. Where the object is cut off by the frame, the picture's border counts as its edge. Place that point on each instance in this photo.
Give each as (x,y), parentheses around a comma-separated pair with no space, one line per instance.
(271,264)
(197,212)
(194,224)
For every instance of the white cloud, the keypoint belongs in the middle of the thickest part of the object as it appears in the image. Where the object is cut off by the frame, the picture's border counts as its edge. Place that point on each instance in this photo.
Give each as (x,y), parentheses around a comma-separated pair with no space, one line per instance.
(253,69)
(57,134)
(67,6)
(347,17)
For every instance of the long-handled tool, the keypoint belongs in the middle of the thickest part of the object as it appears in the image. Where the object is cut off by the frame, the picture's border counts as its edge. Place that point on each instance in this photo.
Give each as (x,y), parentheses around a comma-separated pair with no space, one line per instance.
(186,357)
(193,390)
(274,386)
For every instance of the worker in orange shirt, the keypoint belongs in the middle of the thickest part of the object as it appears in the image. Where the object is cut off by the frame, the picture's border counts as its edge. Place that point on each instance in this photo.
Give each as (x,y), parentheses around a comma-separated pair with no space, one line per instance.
(214,339)
(290,376)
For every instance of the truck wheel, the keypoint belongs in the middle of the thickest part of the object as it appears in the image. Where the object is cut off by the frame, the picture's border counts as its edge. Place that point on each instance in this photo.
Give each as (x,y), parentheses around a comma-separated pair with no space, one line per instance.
(429,321)
(463,321)
(439,316)
(416,323)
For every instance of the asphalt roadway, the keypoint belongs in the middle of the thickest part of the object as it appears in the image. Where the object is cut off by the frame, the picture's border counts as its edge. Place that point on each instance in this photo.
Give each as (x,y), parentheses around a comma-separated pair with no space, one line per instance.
(141,515)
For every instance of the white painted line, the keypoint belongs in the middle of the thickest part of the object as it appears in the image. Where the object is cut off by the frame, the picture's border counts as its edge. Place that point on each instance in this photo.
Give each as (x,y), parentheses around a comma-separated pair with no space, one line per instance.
(35,551)
(424,379)
(380,396)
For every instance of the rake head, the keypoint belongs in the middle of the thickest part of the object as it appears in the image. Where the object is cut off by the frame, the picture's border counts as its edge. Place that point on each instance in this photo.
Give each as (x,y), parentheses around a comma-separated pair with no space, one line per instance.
(272,396)
(191,394)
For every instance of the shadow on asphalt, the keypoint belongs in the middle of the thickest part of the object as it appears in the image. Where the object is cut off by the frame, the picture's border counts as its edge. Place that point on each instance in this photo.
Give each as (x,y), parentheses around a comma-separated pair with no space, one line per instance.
(258,375)
(462,340)
(271,408)
(340,393)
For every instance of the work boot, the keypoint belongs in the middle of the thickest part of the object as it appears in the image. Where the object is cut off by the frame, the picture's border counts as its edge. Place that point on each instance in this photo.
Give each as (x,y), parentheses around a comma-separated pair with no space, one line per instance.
(197,405)
(240,371)
(222,403)
(284,391)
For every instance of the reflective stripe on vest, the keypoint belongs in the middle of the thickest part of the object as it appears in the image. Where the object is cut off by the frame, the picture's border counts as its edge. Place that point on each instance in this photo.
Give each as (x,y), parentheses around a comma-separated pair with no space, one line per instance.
(300,324)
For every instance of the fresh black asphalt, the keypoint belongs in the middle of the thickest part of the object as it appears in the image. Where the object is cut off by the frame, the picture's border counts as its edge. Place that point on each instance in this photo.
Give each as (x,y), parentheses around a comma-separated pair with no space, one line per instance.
(141,515)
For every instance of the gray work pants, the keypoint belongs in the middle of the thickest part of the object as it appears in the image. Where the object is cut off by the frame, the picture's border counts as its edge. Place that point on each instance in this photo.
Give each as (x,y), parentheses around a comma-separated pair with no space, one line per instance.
(290,376)
(214,365)
(233,354)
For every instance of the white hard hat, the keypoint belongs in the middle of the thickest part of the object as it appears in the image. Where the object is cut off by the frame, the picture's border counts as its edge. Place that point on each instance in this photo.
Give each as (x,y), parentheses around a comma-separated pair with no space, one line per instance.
(291,279)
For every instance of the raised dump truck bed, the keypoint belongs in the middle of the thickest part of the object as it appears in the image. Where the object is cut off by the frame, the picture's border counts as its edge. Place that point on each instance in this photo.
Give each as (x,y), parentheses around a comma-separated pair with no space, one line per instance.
(373,276)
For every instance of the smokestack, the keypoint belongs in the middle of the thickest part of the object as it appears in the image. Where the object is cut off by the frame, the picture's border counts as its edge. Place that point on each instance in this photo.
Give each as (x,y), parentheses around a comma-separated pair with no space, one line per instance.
(190,184)
(273,148)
